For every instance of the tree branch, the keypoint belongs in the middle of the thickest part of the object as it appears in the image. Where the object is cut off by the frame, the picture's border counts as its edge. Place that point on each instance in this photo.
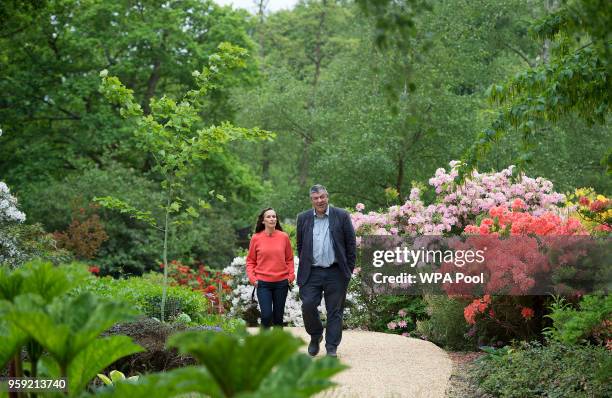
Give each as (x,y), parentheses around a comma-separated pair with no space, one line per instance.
(519,53)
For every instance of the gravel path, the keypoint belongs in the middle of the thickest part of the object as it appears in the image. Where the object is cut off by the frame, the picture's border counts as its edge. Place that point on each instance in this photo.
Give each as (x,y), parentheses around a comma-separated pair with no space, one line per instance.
(386,365)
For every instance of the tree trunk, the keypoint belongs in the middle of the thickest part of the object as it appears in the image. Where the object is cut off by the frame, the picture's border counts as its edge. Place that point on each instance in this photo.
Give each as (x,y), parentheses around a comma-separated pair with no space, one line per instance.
(151,86)
(265,146)
(311,106)
(400,174)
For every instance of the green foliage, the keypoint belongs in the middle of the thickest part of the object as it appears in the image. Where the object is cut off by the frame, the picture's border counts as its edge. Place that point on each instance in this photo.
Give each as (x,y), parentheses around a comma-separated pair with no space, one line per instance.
(386,307)
(118,205)
(52,50)
(115,376)
(37,313)
(446,325)
(132,248)
(590,322)
(145,294)
(571,77)
(30,242)
(58,131)
(394,20)
(171,132)
(556,370)
(225,323)
(262,365)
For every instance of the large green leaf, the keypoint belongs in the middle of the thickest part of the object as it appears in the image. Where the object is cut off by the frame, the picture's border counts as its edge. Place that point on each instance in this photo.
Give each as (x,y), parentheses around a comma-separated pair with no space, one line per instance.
(66,326)
(163,385)
(98,355)
(11,336)
(29,316)
(46,280)
(300,376)
(10,284)
(237,363)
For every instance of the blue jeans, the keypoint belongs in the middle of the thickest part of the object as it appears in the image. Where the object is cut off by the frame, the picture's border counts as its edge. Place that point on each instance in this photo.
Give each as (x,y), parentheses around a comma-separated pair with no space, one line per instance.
(272,297)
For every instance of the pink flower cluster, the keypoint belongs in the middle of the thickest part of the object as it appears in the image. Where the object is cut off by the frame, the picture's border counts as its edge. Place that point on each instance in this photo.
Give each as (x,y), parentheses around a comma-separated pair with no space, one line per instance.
(401,323)
(457,204)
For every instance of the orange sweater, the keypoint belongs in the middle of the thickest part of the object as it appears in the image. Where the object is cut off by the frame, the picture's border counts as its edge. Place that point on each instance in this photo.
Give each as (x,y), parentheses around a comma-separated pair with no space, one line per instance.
(270,258)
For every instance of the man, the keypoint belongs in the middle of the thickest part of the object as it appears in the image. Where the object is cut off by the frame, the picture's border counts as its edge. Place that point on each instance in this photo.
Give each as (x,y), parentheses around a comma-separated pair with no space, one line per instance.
(327,250)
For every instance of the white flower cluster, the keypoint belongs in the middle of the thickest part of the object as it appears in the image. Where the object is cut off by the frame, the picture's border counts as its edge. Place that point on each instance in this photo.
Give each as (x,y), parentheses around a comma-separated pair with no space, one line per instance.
(10,216)
(8,206)
(242,291)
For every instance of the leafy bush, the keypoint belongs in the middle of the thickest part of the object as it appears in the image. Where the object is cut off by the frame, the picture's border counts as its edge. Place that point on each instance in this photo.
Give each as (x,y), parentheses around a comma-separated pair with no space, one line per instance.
(37,316)
(446,325)
(556,370)
(84,235)
(397,309)
(222,322)
(591,322)
(21,242)
(131,248)
(145,293)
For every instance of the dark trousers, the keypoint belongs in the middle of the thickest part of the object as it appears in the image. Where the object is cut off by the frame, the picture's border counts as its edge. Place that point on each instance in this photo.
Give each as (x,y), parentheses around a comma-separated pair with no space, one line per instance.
(332,284)
(272,297)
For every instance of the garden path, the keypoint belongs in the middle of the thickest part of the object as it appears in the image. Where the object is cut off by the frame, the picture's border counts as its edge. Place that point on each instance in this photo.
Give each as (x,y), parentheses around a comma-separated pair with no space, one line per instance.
(387,365)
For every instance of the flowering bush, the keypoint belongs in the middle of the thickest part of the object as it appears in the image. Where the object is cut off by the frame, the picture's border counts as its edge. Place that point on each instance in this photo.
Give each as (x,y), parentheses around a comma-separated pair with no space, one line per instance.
(595,211)
(242,292)
(402,324)
(515,265)
(506,221)
(457,204)
(9,213)
(213,284)
(10,218)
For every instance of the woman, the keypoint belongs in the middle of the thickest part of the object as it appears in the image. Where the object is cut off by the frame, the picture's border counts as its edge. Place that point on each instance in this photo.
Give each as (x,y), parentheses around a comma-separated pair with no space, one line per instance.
(270,267)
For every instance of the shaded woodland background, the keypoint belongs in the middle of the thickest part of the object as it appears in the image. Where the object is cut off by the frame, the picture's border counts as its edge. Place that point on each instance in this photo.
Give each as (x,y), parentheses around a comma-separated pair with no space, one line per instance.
(361,105)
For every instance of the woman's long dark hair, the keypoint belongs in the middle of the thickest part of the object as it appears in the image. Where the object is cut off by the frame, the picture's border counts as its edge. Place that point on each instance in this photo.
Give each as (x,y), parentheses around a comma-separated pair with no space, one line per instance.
(260,225)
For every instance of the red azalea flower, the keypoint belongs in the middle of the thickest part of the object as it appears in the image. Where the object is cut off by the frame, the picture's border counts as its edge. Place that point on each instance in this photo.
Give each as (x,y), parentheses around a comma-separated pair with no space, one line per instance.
(597,206)
(518,204)
(527,313)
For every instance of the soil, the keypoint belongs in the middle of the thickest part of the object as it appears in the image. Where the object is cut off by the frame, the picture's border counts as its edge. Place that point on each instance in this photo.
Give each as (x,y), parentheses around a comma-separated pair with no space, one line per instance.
(460,384)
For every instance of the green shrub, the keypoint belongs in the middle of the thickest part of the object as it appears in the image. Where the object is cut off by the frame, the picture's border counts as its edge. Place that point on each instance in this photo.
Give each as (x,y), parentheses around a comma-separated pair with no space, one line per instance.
(368,310)
(556,370)
(446,325)
(227,324)
(591,322)
(132,248)
(387,307)
(144,294)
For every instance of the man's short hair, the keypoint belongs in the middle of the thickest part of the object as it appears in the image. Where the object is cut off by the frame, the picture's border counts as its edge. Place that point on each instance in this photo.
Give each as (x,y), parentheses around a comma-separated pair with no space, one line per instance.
(317,188)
